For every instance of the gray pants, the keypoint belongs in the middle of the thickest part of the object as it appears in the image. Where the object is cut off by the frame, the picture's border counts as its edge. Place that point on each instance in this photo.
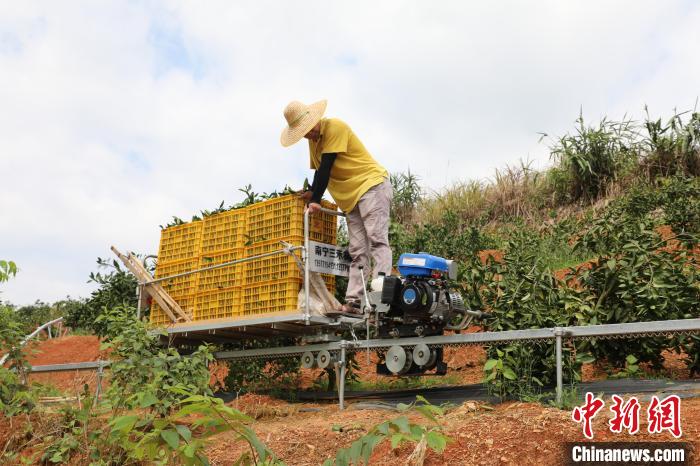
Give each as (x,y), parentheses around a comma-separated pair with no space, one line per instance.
(368,231)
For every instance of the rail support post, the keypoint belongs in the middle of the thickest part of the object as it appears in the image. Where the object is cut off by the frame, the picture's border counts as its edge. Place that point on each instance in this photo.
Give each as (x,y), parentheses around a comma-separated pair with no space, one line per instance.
(98,387)
(558,333)
(340,371)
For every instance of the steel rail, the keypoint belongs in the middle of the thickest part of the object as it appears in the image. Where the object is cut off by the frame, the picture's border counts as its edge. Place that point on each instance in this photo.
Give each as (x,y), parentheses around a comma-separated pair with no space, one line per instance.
(603,330)
(340,348)
(632,328)
(75,366)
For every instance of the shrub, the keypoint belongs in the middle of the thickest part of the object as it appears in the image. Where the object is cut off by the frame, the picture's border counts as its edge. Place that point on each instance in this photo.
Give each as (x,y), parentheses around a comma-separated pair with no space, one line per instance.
(521,293)
(15,394)
(635,279)
(158,408)
(143,369)
(680,200)
(452,237)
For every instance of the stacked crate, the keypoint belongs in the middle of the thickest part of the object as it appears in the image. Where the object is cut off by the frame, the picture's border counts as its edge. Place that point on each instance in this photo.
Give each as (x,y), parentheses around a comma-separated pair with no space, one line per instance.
(260,286)
(178,252)
(272,284)
(219,290)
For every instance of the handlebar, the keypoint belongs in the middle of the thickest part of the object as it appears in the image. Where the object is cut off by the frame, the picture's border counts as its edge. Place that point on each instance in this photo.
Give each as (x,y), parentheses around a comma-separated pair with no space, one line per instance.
(328,211)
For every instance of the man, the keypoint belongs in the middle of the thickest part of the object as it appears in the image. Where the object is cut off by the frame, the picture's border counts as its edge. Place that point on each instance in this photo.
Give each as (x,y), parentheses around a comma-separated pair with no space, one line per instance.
(358,184)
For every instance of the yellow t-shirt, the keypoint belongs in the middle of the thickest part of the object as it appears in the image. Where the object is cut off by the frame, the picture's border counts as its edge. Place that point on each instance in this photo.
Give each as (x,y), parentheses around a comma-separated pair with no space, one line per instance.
(354,170)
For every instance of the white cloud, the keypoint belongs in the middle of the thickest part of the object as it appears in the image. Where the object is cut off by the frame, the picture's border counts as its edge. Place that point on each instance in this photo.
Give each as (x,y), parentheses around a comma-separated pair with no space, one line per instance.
(116,116)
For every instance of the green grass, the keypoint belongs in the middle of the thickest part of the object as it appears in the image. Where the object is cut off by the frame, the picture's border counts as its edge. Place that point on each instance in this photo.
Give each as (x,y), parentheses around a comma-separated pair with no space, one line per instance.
(557,254)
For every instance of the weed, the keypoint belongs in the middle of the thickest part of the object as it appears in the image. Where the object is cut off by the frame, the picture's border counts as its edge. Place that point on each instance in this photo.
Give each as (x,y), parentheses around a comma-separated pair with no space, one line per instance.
(397,431)
(673,147)
(592,158)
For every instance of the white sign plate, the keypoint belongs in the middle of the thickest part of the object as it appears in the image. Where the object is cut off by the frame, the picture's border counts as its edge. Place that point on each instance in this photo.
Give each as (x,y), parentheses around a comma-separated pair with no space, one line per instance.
(328,258)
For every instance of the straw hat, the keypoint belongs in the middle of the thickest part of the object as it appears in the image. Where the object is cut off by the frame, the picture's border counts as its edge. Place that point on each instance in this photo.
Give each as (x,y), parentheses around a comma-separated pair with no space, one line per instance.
(301,119)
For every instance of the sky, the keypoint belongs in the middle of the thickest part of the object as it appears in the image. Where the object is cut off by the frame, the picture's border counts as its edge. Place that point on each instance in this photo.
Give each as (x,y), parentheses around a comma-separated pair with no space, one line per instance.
(117,115)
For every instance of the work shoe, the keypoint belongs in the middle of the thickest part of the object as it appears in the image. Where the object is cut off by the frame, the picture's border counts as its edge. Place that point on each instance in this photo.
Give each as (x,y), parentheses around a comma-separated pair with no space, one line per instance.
(349,309)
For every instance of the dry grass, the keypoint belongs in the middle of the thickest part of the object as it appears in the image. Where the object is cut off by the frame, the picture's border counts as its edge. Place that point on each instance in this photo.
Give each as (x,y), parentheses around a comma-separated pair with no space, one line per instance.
(515,191)
(592,163)
(263,406)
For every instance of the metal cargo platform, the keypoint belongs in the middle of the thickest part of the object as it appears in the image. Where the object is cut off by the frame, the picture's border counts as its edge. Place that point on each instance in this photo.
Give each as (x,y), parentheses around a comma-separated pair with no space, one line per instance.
(278,325)
(283,324)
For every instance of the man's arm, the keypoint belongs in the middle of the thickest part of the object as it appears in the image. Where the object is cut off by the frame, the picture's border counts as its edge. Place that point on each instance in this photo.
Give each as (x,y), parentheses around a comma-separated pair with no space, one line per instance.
(321,177)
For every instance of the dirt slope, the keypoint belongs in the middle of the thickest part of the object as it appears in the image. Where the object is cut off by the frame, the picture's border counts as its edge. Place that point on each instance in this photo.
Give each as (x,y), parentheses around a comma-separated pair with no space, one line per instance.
(72,348)
(510,433)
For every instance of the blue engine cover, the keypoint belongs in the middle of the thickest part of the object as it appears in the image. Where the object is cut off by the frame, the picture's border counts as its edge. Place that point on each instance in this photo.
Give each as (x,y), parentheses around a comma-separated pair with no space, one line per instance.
(421,265)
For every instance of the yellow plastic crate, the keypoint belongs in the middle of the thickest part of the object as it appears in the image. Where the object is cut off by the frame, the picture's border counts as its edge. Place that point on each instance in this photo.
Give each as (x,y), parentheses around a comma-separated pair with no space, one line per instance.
(218,304)
(180,242)
(224,231)
(284,217)
(276,295)
(159,317)
(276,267)
(225,277)
(181,286)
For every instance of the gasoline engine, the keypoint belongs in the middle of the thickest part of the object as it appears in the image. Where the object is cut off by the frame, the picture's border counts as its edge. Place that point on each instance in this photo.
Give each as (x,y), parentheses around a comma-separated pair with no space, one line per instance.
(419,303)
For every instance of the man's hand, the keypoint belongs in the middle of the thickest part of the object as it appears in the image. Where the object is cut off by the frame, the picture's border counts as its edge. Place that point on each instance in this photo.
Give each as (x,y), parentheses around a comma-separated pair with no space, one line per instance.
(313,208)
(306,196)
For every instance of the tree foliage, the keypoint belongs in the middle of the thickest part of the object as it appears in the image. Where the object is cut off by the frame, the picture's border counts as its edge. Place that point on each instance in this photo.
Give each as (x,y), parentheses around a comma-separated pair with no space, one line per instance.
(116,288)
(8,269)
(635,275)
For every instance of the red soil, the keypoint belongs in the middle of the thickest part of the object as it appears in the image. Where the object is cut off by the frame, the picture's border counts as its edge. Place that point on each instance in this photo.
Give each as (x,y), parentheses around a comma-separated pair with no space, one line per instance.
(508,433)
(496,254)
